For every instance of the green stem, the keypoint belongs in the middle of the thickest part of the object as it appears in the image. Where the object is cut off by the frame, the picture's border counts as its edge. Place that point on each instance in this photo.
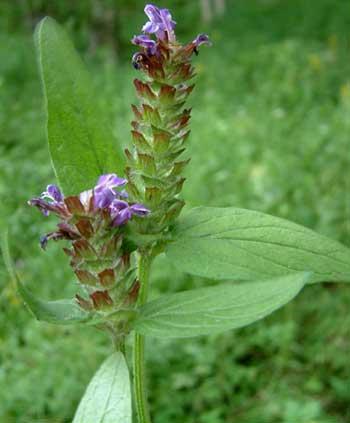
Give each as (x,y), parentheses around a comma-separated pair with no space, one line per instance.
(139,344)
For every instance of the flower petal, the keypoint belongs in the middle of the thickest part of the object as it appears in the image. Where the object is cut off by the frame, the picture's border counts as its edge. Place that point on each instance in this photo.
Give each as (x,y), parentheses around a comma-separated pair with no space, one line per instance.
(139,210)
(111,180)
(150,27)
(145,42)
(122,217)
(167,21)
(201,39)
(54,192)
(103,197)
(153,13)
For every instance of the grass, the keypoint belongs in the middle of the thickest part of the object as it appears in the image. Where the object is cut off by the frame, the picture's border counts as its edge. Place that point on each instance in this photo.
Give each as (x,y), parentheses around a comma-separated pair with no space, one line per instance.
(270,132)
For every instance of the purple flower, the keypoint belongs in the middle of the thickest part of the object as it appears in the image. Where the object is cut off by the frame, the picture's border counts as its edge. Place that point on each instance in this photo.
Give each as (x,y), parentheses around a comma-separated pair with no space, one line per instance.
(201,39)
(50,200)
(160,23)
(145,42)
(52,193)
(64,231)
(43,205)
(104,192)
(121,211)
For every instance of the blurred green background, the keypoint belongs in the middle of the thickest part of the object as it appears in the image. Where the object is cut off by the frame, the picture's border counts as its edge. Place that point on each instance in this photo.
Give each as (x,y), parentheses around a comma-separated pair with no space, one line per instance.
(270,131)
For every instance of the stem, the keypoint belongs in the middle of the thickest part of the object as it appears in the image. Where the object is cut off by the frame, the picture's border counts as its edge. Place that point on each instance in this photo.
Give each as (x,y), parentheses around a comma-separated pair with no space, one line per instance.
(139,344)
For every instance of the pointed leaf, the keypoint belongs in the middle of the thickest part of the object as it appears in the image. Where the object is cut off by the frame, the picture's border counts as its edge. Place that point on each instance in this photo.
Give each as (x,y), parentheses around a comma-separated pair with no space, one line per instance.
(216,309)
(239,244)
(60,311)
(81,145)
(65,311)
(107,398)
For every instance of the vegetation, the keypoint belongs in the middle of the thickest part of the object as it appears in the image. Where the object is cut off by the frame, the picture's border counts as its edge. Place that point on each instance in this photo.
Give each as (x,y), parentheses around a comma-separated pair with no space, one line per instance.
(270,132)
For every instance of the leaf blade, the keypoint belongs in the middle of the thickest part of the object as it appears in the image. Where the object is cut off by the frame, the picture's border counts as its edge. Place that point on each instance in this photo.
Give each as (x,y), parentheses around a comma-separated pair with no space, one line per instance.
(81,146)
(62,312)
(110,386)
(57,312)
(227,243)
(215,309)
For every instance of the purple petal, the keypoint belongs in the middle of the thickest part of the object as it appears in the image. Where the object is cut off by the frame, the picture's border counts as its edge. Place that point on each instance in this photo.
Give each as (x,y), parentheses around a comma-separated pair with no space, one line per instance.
(103,191)
(122,217)
(54,192)
(145,42)
(150,27)
(139,210)
(201,39)
(44,206)
(168,23)
(111,180)
(116,206)
(120,204)
(153,13)
(103,197)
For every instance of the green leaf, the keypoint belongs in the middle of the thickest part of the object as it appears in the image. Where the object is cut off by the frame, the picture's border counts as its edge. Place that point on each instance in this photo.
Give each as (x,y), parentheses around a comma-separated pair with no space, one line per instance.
(107,398)
(63,312)
(4,247)
(60,311)
(81,145)
(230,243)
(216,309)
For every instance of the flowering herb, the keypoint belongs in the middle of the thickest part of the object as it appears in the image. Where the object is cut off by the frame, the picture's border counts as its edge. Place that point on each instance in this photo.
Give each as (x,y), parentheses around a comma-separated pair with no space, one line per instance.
(114,230)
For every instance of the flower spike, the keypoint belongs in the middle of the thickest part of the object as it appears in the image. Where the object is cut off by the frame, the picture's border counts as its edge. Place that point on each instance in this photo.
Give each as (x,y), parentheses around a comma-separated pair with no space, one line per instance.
(93,223)
(160,128)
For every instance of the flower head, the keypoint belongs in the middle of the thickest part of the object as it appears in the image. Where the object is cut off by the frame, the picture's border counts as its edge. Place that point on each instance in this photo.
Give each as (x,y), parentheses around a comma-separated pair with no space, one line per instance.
(154,53)
(91,222)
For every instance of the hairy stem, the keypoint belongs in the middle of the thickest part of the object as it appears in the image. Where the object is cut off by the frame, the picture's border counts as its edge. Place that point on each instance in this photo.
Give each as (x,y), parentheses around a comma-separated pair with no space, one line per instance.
(139,345)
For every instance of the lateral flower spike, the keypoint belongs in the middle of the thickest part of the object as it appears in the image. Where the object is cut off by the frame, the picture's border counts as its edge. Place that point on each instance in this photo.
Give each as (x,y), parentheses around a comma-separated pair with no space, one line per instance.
(160,128)
(94,224)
